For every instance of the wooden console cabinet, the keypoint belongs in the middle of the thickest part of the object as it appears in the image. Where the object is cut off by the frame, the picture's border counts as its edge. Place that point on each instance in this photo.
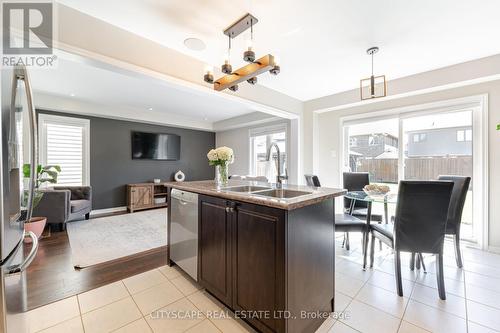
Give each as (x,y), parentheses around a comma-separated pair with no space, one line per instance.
(142,196)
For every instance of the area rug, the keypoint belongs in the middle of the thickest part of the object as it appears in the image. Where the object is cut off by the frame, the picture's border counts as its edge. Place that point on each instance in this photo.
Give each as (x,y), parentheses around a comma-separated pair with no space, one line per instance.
(103,239)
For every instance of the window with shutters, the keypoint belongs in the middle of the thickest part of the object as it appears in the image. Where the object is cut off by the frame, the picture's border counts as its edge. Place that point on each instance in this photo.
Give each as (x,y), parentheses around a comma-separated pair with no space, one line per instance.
(64,141)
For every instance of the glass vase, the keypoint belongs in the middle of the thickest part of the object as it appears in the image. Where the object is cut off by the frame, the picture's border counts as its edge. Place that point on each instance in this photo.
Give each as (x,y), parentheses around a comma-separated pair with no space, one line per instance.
(222,174)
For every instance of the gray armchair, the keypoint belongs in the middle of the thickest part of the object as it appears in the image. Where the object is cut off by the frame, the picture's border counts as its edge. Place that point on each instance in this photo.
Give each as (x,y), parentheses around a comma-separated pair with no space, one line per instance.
(62,204)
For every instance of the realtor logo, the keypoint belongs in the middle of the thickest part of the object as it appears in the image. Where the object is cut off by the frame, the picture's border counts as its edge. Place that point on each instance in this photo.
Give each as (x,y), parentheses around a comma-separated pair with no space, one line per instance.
(27,33)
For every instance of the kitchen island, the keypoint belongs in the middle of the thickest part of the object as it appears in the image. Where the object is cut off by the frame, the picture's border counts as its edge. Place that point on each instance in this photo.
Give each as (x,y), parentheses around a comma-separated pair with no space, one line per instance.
(267,253)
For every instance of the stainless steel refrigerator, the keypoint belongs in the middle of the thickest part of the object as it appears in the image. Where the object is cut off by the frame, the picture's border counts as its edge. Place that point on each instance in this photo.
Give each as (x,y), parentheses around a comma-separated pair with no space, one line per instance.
(18,146)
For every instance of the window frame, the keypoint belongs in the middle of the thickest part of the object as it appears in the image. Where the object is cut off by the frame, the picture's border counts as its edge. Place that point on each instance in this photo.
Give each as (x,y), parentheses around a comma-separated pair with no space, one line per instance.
(468,135)
(419,137)
(267,130)
(44,118)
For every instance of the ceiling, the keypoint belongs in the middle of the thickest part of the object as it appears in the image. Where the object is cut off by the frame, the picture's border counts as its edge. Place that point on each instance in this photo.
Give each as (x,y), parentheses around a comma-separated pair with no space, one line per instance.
(321,44)
(87,83)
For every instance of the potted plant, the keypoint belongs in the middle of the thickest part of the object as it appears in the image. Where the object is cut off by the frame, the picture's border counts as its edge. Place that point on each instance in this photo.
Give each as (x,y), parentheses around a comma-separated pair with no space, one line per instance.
(45,175)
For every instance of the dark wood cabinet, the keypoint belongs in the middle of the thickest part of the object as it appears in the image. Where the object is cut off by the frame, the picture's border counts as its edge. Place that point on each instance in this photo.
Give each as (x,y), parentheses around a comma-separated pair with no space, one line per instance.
(214,263)
(242,259)
(259,264)
(266,263)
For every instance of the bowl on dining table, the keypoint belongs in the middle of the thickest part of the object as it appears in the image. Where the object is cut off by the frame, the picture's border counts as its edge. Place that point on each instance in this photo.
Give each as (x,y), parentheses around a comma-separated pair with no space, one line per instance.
(376,190)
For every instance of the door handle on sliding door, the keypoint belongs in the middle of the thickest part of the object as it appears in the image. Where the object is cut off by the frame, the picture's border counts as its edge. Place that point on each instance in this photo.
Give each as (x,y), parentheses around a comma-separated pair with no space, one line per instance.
(29,258)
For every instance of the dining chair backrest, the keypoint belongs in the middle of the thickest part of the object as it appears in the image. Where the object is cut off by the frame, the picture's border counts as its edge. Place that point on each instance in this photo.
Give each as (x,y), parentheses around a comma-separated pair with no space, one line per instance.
(421,215)
(312,180)
(355,181)
(457,202)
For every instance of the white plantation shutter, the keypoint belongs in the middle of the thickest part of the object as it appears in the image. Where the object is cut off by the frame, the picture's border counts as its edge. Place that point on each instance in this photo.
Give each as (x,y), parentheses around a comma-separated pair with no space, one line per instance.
(64,142)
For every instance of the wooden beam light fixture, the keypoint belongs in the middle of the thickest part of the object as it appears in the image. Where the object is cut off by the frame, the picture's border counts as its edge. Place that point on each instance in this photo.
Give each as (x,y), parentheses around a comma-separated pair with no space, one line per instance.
(245,73)
(248,72)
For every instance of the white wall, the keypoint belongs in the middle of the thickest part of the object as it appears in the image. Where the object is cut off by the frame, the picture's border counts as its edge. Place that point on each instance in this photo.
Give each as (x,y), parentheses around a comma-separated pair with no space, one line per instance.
(238,140)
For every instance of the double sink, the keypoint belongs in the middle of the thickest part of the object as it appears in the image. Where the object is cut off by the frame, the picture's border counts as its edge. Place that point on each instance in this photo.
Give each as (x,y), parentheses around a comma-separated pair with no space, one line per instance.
(266,191)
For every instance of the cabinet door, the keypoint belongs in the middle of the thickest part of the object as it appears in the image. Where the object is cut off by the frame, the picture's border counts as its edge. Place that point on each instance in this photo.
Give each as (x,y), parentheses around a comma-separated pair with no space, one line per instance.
(214,270)
(141,196)
(259,264)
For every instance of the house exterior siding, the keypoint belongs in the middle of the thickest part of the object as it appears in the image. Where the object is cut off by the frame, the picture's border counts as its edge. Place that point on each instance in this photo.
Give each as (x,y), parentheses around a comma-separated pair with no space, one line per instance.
(440,142)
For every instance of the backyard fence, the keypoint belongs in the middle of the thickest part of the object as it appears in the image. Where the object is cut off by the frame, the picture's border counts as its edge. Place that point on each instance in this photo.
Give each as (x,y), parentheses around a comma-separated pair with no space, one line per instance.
(421,168)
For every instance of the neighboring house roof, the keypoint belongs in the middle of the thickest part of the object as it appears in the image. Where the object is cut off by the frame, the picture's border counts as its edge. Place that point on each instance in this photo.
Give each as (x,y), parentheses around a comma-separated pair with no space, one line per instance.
(390,152)
(374,134)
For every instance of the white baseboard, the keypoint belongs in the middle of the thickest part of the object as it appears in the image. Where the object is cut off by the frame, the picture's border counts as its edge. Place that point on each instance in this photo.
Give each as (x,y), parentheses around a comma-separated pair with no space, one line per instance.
(494,249)
(108,210)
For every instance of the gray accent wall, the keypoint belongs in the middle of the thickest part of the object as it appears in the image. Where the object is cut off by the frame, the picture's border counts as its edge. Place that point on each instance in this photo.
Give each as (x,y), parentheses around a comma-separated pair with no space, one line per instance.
(112,166)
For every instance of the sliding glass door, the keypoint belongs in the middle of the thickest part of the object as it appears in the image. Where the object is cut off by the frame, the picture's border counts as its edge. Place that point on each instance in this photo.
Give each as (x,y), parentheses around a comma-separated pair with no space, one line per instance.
(414,146)
(440,144)
(373,147)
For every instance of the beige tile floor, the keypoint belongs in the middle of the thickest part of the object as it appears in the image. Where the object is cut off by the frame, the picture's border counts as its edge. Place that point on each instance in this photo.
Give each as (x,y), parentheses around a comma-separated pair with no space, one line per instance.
(367,297)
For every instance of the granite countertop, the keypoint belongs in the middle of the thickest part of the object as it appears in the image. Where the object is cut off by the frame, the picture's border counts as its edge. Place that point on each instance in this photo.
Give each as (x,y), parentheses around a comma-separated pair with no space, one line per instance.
(208,187)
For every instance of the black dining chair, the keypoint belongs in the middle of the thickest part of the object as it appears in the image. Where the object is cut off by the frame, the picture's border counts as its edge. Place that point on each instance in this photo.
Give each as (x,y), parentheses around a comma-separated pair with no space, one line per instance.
(312,180)
(454,221)
(356,181)
(419,225)
(457,202)
(345,222)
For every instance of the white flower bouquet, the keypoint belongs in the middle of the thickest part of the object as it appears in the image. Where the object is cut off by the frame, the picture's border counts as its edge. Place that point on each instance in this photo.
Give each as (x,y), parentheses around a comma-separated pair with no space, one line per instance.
(221,157)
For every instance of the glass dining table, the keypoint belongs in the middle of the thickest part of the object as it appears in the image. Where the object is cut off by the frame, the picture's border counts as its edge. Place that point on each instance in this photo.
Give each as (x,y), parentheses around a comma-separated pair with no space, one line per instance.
(385,199)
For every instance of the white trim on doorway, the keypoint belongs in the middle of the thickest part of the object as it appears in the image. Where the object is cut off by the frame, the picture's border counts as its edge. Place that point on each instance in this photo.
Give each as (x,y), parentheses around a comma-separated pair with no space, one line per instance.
(479,105)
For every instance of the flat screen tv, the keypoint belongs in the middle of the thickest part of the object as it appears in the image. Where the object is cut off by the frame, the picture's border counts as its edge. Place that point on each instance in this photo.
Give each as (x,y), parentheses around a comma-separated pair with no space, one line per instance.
(155,146)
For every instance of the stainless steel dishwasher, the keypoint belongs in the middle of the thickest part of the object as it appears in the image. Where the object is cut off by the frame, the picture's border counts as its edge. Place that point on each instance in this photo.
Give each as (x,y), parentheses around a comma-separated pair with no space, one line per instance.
(184,231)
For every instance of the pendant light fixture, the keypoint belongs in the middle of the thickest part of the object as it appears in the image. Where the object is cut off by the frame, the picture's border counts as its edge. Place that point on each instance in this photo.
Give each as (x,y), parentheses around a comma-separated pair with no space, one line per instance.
(374,86)
(249,54)
(226,68)
(254,67)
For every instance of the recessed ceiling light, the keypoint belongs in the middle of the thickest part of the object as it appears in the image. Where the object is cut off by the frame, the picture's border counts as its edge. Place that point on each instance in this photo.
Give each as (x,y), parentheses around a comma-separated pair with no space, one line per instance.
(72,95)
(205,118)
(150,109)
(194,44)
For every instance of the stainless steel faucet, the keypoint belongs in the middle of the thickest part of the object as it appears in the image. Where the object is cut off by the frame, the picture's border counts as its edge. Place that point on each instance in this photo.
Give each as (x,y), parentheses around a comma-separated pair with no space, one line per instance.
(279,176)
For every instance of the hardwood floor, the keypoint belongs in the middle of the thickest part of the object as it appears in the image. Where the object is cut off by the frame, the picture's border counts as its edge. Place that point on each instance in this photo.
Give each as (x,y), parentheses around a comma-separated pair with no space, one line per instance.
(51,276)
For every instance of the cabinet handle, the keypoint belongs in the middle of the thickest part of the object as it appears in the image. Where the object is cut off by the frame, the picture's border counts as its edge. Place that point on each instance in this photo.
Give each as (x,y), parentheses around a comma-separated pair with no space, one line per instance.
(229,209)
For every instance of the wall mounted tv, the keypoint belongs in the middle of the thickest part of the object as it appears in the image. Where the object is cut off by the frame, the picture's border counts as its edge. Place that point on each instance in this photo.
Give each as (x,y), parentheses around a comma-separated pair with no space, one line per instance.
(156,146)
